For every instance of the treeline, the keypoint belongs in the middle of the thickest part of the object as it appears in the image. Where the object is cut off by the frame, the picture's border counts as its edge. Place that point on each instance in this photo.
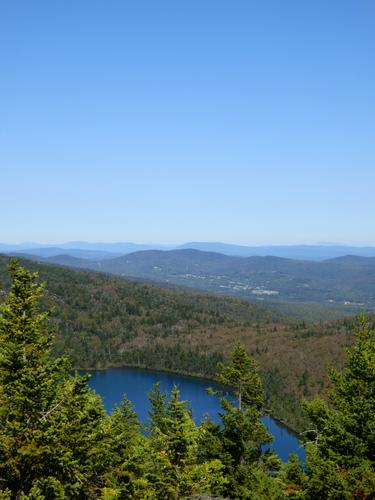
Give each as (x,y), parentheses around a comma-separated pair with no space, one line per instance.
(57,442)
(174,359)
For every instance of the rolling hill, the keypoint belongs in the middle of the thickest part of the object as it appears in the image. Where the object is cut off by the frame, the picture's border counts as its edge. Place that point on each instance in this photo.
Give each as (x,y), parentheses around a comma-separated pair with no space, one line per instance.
(46,252)
(344,284)
(300,252)
(104,321)
(316,252)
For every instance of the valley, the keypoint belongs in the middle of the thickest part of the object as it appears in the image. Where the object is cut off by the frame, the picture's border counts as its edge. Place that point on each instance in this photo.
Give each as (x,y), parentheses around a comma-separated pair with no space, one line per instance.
(328,289)
(103,321)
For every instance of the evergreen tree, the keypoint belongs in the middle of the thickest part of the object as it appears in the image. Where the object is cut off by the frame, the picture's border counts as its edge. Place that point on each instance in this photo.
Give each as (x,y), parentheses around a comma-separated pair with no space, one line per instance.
(49,420)
(238,440)
(341,456)
(293,478)
(124,452)
(243,432)
(158,411)
(242,377)
(173,468)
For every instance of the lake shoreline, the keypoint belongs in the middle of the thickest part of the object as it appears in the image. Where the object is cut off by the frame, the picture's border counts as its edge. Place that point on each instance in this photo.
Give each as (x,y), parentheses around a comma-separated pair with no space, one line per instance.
(134,383)
(281,422)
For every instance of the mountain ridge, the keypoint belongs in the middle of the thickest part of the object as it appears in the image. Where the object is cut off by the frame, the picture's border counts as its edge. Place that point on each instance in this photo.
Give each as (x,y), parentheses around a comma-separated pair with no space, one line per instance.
(316,252)
(346,282)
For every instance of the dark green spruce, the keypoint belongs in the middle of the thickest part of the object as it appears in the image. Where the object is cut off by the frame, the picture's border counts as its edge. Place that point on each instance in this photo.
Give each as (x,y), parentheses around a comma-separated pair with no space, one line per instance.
(49,421)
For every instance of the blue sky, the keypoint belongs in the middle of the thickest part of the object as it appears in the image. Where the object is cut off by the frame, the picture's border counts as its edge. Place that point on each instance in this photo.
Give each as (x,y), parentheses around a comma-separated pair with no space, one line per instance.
(249,122)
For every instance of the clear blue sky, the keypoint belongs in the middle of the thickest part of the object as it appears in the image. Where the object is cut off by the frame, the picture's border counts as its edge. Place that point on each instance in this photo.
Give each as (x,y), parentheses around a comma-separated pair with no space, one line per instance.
(168,121)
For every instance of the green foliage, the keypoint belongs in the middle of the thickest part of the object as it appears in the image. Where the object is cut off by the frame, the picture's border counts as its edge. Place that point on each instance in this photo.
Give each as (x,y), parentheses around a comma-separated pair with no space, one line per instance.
(293,478)
(243,432)
(106,321)
(158,411)
(48,420)
(121,440)
(99,315)
(242,376)
(341,458)
(56,442)
(239,438)
(173,444)
(164,464)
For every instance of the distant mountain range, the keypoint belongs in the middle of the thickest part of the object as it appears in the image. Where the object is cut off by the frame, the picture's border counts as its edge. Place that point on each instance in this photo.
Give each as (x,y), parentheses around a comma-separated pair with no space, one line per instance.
(304,252)
(317,282)
(46,252)
(347,283)
(99,251)
(81,249)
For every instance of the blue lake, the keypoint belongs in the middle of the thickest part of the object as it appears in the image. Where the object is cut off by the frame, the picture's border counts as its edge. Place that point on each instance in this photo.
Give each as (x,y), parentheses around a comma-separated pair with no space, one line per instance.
(114,383)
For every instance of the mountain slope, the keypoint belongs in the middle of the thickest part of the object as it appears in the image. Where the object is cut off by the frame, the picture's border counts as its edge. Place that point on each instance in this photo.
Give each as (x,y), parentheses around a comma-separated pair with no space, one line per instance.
(46,252)
(107,321)
(345,282)
(303,252)
(317,252)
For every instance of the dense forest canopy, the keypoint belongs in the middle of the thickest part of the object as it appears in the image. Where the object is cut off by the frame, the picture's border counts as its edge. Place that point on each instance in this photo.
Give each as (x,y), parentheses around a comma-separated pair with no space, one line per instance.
(104,321)
(56,441)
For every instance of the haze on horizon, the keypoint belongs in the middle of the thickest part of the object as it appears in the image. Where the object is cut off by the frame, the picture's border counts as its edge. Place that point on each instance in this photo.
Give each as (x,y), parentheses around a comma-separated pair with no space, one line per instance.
(168,122)
(80,244)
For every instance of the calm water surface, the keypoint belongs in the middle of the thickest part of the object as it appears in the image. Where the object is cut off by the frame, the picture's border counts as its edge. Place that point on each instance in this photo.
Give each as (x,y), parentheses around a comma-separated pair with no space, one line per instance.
(114,383)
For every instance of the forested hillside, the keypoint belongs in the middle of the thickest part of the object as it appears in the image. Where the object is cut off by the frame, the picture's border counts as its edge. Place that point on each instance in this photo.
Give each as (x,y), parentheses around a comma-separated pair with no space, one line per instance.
(322,290)
(105,321)
(57,442)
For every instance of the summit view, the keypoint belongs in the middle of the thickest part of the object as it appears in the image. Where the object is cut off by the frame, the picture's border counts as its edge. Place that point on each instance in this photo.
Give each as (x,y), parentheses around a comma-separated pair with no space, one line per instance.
(187,250)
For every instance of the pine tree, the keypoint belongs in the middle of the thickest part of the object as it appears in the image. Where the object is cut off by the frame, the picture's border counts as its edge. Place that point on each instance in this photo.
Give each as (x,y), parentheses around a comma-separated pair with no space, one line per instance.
(242,377)
(49,420)
(173,467)
(243,432)
(124,452)
(158,411)
(341,456)
(238,440)
(293,477)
